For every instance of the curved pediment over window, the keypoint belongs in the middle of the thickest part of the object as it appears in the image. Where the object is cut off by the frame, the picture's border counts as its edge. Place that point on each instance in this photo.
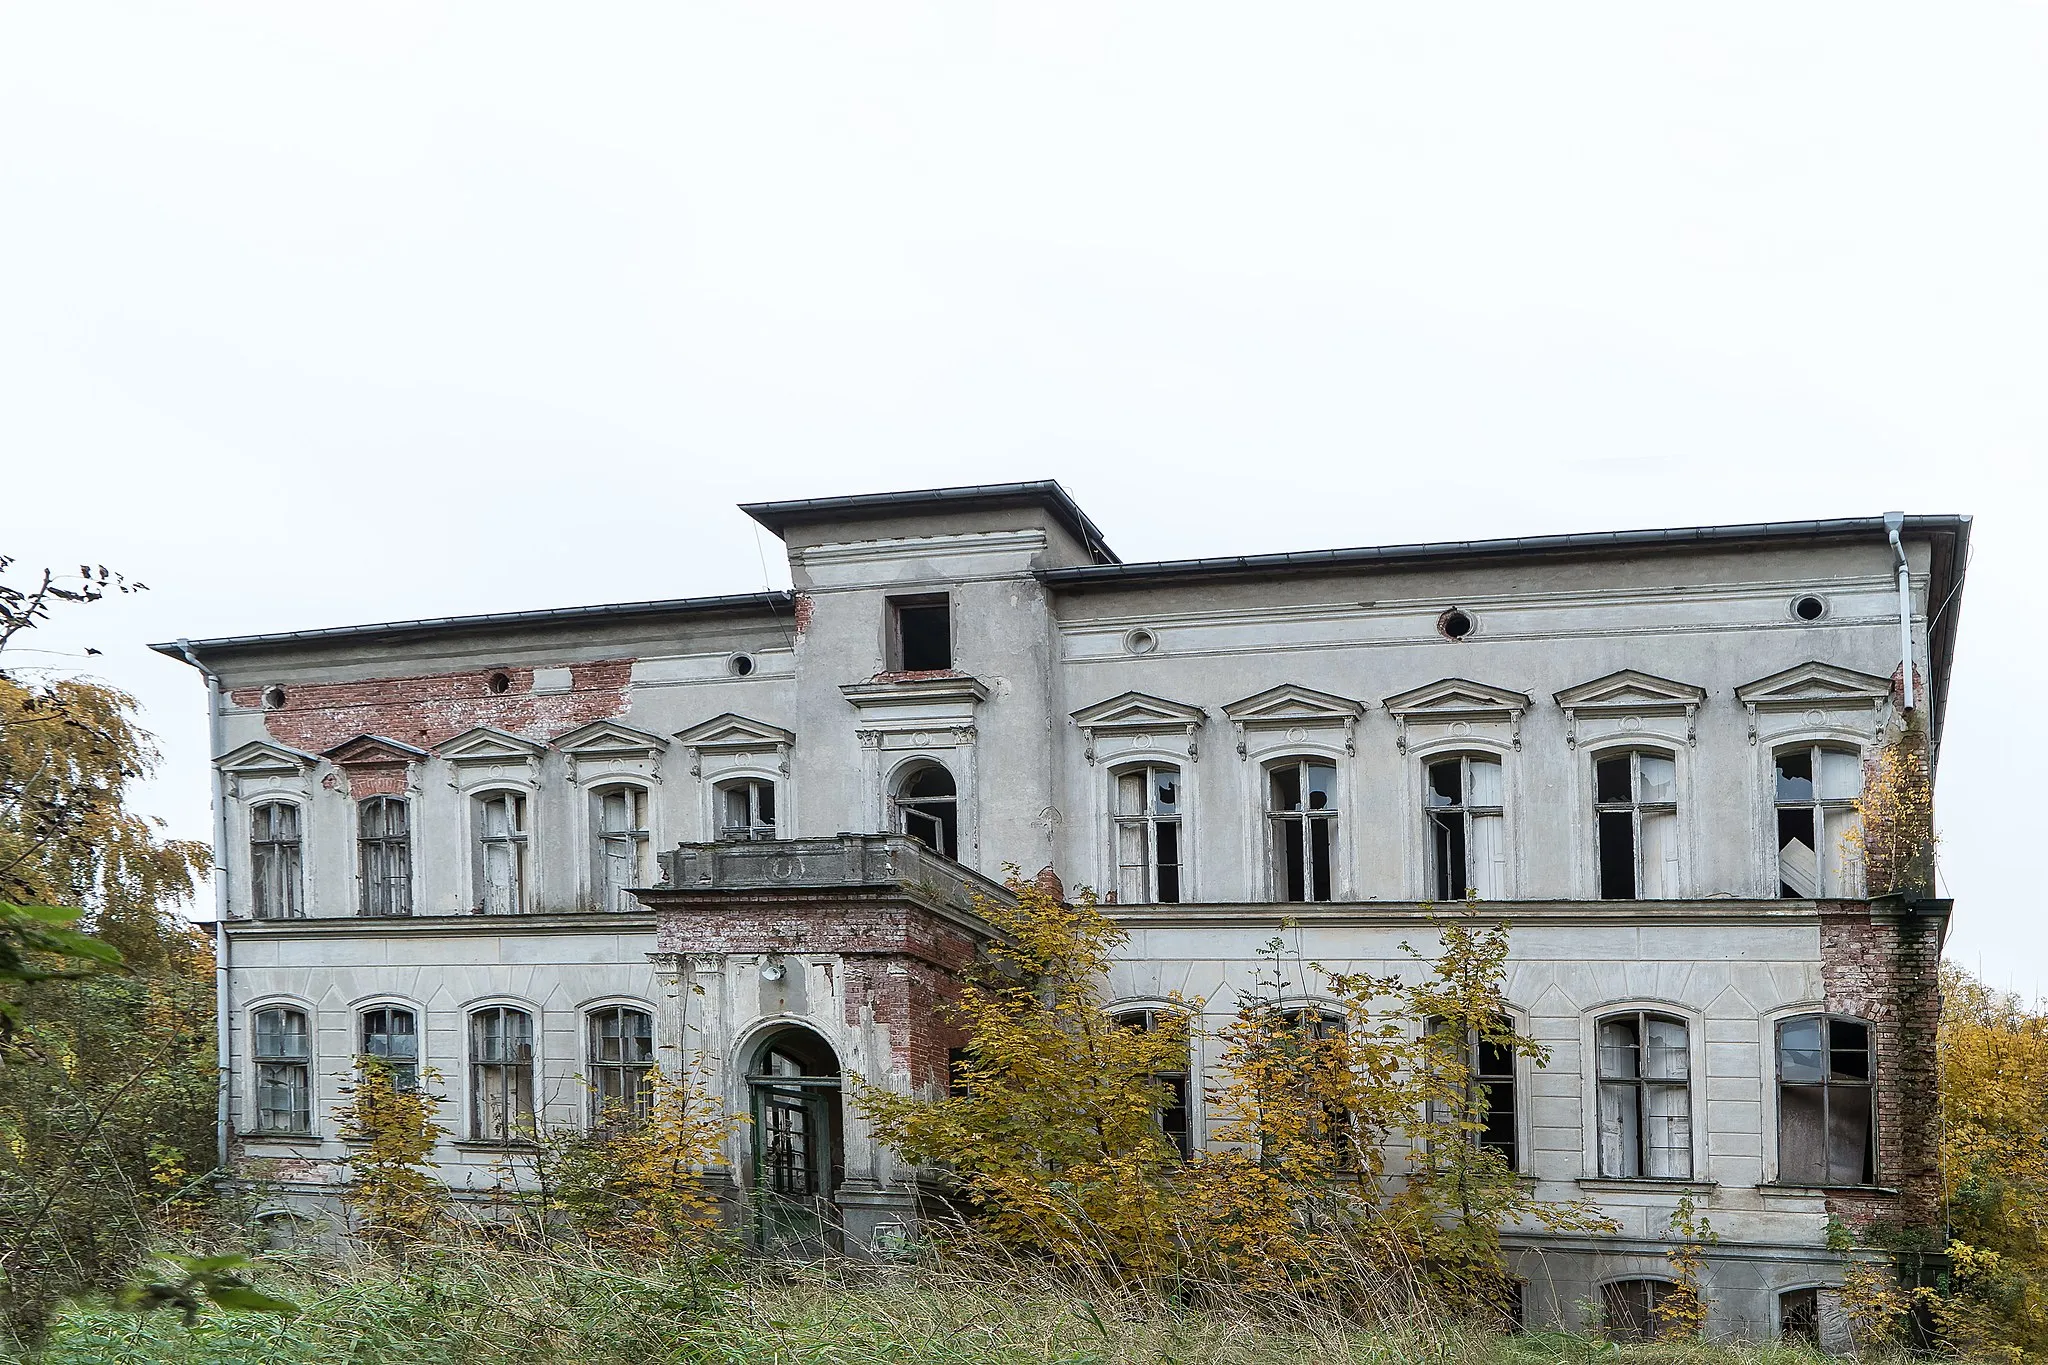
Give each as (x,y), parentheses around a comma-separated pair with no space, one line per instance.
(1620,698)
(1290,707)
(1138,714)
(1456,701)
(1820,694)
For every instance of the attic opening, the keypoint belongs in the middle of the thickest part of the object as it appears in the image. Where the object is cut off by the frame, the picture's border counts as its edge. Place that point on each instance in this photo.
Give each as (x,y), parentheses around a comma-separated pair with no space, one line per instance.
(920,634)
(1455,624)
(499,683)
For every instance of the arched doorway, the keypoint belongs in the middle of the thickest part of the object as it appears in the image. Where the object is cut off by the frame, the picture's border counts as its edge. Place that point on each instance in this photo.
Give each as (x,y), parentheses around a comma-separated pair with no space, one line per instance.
(799,1144)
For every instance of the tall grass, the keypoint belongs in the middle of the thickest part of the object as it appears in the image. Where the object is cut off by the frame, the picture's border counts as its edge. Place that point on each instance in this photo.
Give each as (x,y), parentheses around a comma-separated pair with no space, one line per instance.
(489,1304)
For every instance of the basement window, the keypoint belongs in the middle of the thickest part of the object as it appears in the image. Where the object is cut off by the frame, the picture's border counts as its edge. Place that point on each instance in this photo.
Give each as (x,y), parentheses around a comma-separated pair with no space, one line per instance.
(920,634)
(1628,1309)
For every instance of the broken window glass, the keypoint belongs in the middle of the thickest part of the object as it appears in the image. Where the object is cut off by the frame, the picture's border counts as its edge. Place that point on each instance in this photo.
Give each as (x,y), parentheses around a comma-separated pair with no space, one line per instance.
(1146,822)
(391,1035)
(1636,829)
(928,809)
(621,1063)
(1825,1105)
(1645,1112)
(620,838)
(274,861)
(384,849)
(501,853)
(746,809)
(1467,843)
(282,1052)
(1173,1115)
(1303,815)
(501,1074)
(1799,1316)
(1817,790)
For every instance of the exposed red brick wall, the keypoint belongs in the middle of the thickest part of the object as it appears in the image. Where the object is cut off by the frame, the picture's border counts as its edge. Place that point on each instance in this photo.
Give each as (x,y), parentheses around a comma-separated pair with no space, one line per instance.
(803,612)
(1884,966)
(906,997)
(359,780)
(426,709)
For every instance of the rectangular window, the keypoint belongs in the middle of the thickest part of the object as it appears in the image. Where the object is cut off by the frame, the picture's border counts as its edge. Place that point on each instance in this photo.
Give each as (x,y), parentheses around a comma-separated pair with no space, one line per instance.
(384,845)
(1302,810)
(619,815)
(275,878)
(501,853)
(1628,1309)
(1825,1102)
(1467,843)
(1173,1115)
(1645,1067)
(746,809)
(501,1075)
(284,1072)
(1490,1103)
(1147,831)
(920,634)
(392,1036)
(1636,799)
(621,1063)
(1817,789)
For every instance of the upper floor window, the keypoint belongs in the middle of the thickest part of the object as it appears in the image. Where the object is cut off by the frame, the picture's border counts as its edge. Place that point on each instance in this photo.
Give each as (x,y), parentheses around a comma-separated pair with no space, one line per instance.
(746,808)
(928,809)
(275,875)
(1302,811)
(1147,832)
(282,1051)
(501,1074)
(1637,798)
(1467,843)
(1491,1098)
(391,1034)
(501,853)
(619,830)
(1817,789)
(1645,1097)
(621,1062)
(1173,1116)
(920,634)
(384,848)
(1825,1105)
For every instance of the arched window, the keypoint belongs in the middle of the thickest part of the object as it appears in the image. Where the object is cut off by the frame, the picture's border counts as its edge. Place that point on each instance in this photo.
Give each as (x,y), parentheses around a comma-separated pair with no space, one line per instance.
(1645,1097)
(1467,841)
(501,1074)
(619,838)
(746,809)
(1490,1072)
(1817,787)
(1628,1309)
(1312,1027)
(928,809)
(1173,1116)
(391,1034)
(384,851)
(275,869)
(1636,794)
(500,853)
(282,1050)
(1301,808)
(1146,822)
(1799,1316)
(1826,1106)
(621,1062)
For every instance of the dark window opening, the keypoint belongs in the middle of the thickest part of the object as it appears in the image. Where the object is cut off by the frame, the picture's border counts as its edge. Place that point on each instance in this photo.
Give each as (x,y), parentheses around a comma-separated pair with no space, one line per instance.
(391,1035)
(384,849)
(1826,1107)
(500,683)
(1799,1316)
(1809,608)
(928,810)
(1636,825)
(1303,813)
(275,867)
(1146,827)
(922,634)
(1490,1109)
(1817,789)
(1455,624)
(1467,843)
(1172,1116)
(746,809)
(740,665)
(273,698)
(1628,1309)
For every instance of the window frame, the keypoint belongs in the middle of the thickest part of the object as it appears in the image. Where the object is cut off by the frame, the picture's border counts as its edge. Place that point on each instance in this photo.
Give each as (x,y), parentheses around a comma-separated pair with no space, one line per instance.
(1598,1082)
(896,658)
(475,1077)
(1873,1165)
(1515,1078)
(1851,871)
(597,1094)
(1635,749)
(759,827)
(1181,1083)
(1278,823)
(1465,754)
(1651,1328)
(640,838)
(1149,823)
(902,809)
(360,1042)
(518,842)
(283,867)
(304,1064)
(393,848)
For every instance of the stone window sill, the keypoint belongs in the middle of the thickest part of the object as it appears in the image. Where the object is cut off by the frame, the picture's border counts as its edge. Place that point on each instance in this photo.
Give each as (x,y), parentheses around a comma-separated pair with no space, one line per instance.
(1788,1191)
(482,1145)
(1649,1184)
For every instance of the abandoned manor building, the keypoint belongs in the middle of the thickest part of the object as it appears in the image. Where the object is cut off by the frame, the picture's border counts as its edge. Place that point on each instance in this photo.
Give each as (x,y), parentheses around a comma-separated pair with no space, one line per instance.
(544,851)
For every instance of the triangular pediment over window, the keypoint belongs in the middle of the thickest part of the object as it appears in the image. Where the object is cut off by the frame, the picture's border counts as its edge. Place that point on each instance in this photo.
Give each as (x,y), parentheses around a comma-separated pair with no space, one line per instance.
(734,731)
(1138,713)
(258,758)
(374,749)
(1815,684)
(1293,704)
(1456,699)
(609,739)
(1629,690)
(487,745)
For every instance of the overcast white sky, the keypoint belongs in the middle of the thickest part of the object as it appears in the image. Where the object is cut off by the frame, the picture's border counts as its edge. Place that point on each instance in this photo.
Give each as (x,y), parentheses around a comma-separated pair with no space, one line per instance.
(317,315)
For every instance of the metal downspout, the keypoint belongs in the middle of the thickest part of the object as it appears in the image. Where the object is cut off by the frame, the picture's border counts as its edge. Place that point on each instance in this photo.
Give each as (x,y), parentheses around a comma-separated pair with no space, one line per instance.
(1894,522)
(222,1063)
